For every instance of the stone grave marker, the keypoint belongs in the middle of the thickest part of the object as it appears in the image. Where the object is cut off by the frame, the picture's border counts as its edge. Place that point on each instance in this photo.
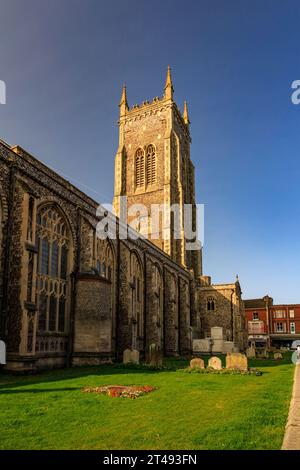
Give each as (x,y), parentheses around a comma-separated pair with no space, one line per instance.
(131,356)
(250,352)
(197,363)
(215,363)
(201,345)
(216,332)
(236,361)
(155,356)
(2,352)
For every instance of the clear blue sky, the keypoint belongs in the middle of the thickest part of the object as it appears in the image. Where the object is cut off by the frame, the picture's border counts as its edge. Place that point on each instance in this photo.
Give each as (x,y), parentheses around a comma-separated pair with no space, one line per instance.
(64,63)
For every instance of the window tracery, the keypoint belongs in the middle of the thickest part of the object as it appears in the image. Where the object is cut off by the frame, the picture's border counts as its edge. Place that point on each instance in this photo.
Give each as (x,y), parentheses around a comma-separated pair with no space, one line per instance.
(211,304)
(53,244)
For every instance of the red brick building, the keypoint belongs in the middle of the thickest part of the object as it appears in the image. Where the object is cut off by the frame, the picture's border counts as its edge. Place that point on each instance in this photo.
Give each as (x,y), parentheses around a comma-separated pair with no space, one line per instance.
(272,325)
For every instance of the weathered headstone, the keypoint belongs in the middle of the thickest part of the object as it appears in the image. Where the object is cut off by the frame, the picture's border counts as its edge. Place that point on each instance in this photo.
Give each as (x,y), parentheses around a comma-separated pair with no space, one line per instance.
(155,356)
(2,352)
(135,356)
(236,361)
(217,346)
(131,356)
(126,356)
(228,347)
(250,352)
(197,363)
(201,345)
(215,363)
(216,332)
(277,355)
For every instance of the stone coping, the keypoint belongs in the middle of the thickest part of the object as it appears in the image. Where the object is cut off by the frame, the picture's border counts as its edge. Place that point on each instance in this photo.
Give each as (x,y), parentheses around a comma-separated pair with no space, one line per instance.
(291,440)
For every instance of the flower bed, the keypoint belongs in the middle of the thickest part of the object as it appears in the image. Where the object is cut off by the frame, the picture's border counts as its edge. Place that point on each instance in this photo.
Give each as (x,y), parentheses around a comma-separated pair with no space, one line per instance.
(210,370)
(122,391)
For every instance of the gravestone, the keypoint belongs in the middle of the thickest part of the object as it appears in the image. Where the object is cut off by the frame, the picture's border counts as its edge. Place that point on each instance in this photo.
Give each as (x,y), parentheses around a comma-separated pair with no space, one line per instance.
(216,332)
(2,352)
(215,363)
(201,345)
(250,353)
(228,346)
(154,356)
(126,356)
(236,361)
(135,356)
(217,346)
(131,356)
(197,363)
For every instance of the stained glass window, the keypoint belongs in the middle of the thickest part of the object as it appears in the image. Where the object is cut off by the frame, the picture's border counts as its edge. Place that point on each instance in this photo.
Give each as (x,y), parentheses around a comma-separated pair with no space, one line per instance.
(52,271)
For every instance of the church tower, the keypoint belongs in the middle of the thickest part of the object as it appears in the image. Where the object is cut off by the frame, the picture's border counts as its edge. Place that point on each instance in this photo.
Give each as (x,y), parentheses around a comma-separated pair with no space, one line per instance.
(153,167)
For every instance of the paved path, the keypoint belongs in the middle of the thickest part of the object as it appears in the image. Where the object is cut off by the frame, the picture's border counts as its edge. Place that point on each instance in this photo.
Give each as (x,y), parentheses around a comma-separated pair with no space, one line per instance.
(291,440)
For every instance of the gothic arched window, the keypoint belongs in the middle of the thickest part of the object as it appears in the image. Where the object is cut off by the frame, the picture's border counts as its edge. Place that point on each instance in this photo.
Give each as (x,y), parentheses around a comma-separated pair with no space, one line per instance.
(105,259)
(139,168)
(159,308)
(151,165)
(136,275)
(211,305)
(53,244)
(159,291)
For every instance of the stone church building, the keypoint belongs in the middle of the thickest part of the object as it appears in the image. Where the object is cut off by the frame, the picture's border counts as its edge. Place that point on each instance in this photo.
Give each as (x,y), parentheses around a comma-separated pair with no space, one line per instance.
(67,296)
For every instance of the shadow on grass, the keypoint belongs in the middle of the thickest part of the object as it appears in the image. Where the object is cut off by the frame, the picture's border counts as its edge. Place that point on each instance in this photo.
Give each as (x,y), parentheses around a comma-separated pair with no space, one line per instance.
(10,381)
(8,391)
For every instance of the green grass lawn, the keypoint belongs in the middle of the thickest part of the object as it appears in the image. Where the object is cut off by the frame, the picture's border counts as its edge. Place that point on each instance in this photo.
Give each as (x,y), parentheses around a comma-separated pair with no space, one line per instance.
(188,411)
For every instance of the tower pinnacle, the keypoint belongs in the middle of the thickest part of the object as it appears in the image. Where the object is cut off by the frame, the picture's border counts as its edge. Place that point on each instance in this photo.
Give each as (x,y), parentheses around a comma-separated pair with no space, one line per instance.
(186,114)
(169,90)
(123,103)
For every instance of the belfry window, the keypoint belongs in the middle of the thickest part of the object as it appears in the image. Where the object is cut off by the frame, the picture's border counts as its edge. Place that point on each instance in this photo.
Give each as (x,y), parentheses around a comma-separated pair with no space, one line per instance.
(139,168)
(53,247)
(151,165)
(211,305)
